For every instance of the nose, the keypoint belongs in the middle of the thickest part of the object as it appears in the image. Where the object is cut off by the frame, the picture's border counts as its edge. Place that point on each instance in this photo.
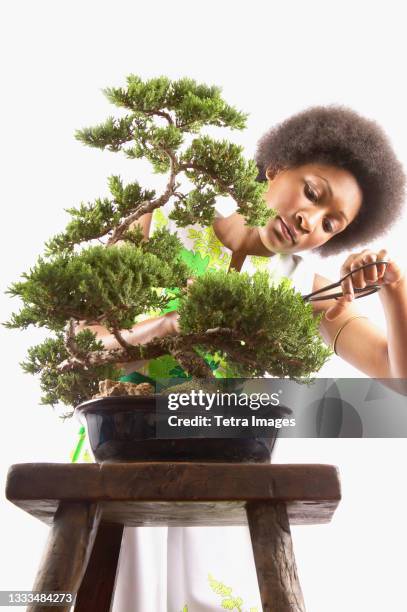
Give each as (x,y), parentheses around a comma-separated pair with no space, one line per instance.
(308,219)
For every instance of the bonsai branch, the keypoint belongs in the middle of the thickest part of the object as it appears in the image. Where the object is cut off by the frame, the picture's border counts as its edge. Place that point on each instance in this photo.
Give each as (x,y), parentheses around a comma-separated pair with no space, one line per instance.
(70,341)
(148,206)
(123,343)
(191,361)
(179,346)
(161,113)
(223,187)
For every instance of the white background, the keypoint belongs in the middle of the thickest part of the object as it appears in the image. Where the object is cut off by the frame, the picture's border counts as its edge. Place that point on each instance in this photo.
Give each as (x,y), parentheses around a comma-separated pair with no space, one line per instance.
(271,59)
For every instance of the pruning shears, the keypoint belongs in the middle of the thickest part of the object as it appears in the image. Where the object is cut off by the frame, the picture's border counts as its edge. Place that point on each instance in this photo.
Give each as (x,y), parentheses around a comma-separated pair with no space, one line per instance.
(325,293)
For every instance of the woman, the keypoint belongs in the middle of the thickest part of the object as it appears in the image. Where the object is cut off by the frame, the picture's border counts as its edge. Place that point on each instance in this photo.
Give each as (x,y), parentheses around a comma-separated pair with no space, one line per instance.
(336,184)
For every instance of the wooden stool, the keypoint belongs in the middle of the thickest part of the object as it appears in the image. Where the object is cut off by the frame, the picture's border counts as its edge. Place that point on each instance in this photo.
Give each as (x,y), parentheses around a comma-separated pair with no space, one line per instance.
(87,506)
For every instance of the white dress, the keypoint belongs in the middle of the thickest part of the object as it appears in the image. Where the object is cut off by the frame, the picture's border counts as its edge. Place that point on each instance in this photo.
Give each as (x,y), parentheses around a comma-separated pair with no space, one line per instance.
(197,569)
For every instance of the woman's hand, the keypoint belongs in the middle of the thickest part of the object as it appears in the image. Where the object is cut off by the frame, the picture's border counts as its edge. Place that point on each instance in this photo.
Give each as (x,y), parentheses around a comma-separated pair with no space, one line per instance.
(389,274)
(380,274)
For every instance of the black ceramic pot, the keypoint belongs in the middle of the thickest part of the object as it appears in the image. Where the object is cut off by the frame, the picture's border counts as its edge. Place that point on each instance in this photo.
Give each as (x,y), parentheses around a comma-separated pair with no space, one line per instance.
(124,429)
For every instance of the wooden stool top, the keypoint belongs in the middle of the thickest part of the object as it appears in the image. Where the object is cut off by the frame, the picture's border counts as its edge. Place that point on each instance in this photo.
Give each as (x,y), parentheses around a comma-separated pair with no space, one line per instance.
(179,494)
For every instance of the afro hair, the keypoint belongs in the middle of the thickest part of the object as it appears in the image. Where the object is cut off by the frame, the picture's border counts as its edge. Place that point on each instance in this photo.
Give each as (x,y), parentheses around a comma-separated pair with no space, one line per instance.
(338,136)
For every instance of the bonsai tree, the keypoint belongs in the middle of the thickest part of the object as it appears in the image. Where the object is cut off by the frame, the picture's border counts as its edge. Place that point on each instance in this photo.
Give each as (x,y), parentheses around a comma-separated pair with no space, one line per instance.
(100,270)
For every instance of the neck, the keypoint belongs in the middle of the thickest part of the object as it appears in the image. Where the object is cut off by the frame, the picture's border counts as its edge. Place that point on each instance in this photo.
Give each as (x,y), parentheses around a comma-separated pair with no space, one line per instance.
(238,237)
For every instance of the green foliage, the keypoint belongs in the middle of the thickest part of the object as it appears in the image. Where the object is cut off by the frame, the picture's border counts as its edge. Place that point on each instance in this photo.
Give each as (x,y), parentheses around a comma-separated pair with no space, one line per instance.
(139,96)
(197,207)
(184,105)
(161,112)
(168,250)
(155,143)
(277,331)
(110,135)
(128,197)
(109,285)
(114,285)
(70,388)
(96,219)
(218,168)
(192,105)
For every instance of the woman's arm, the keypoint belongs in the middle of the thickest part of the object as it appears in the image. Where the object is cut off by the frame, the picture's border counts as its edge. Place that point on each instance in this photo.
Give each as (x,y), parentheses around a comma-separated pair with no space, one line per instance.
(394,301)
(144,222)
(140,333)
(360,342)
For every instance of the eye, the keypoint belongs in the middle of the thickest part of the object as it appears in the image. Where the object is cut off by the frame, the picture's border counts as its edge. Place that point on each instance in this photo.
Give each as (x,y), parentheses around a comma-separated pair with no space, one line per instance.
(310,193)
(327,225)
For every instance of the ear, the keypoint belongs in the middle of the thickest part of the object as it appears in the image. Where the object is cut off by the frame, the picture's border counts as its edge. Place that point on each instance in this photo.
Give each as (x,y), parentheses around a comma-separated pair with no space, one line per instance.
(270,173)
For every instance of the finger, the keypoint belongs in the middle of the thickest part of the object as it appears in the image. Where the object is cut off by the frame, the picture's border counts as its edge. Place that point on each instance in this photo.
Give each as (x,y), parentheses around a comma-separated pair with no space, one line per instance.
(363,276)
(370,273)
(381,268)
(358,276)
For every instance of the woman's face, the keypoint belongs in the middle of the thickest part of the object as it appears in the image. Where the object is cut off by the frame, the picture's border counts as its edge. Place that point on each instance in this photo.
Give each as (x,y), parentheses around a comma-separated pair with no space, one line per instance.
(314,202)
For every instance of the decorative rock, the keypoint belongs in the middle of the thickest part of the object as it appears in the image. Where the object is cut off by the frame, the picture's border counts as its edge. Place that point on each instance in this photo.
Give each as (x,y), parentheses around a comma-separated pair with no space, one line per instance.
(109,388)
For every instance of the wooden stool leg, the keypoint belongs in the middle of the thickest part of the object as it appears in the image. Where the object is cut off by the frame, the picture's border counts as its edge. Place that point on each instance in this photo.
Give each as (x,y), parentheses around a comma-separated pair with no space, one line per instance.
(96,591)
(280,589)
(67,551)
